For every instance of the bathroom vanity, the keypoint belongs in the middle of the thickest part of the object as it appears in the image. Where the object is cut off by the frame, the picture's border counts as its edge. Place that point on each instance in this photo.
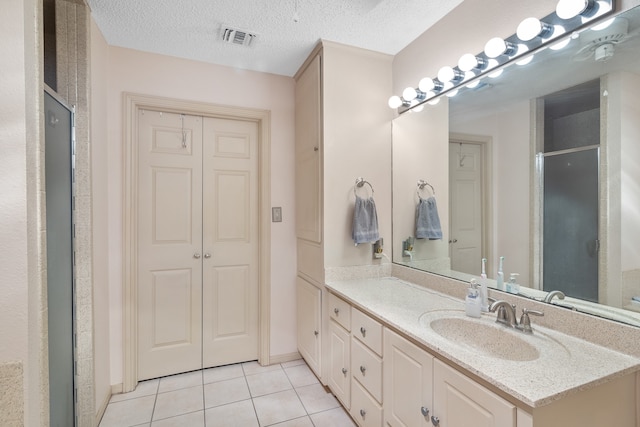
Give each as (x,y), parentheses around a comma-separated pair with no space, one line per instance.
(405,355)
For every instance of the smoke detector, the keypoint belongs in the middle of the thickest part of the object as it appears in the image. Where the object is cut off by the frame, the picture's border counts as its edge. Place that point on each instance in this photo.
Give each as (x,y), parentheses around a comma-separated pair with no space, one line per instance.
(239,37)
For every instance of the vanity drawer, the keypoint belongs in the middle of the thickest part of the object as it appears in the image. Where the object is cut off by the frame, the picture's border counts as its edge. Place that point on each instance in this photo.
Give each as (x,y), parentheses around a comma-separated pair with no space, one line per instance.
(340,311)
(367,330)
(366,367)
(364,409)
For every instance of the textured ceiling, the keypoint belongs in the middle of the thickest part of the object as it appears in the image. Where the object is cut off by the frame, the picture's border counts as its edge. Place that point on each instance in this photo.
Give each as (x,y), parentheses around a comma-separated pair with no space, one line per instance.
(192,28)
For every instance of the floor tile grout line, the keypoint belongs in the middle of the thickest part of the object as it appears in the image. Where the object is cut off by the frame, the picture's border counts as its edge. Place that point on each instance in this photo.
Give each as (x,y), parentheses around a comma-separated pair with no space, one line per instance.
(253,404)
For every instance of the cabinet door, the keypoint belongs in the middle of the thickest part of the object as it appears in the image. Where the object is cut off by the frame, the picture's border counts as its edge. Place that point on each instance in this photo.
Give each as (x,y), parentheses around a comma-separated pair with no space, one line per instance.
(407,374)
(339,374)
(308,151)
(309,339)
(460,402)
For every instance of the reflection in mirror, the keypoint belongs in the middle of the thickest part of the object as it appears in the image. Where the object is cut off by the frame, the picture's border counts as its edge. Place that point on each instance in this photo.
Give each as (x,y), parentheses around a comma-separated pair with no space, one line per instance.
(544,169)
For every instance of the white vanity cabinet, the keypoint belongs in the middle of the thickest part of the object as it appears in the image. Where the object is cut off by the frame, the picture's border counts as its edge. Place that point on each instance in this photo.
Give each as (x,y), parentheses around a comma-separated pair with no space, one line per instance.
(366,369)
(420,390)
(309,309)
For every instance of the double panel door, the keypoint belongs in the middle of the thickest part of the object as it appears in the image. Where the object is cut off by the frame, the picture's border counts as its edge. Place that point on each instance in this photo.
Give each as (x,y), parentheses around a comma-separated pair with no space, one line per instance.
(197,242)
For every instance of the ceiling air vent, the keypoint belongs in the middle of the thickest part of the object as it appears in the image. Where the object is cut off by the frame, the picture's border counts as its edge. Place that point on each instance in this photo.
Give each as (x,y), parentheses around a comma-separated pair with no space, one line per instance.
(239,37)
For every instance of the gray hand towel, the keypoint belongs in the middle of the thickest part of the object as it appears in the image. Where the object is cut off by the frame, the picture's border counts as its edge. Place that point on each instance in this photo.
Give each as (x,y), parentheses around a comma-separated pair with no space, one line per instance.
(365,221)
(427,220)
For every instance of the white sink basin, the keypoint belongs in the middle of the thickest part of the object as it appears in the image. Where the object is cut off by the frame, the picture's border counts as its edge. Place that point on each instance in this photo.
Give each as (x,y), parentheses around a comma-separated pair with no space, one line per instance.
(486,338)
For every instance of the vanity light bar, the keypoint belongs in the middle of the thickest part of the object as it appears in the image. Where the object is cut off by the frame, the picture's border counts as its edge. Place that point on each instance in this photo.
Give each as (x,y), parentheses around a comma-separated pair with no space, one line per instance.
(554,30)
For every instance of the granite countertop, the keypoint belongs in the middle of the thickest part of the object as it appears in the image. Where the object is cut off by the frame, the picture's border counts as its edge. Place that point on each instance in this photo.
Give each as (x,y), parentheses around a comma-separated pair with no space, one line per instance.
(565,364)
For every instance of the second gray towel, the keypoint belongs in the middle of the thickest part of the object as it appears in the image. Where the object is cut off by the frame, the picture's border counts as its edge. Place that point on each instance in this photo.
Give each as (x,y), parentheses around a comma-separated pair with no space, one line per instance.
(427,220)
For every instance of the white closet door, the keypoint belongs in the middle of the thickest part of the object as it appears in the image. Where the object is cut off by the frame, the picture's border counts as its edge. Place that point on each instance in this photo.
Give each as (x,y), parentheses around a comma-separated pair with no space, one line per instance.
(169,244)
(230,241)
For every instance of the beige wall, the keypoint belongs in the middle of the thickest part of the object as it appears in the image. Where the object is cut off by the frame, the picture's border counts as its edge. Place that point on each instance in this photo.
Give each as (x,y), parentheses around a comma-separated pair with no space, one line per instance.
(23,314)
(357,143)
(150,74)
(99,189)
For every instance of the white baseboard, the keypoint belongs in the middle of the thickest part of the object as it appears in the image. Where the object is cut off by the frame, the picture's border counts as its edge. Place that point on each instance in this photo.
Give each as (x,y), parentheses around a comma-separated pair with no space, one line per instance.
(282,358)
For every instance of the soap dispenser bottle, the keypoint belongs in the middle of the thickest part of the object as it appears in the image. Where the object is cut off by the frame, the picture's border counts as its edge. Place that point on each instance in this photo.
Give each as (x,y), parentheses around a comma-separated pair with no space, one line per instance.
(472,303)
(512,286)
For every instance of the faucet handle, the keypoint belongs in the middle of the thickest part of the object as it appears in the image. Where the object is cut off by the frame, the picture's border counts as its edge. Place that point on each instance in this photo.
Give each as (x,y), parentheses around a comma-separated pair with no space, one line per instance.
(525,321)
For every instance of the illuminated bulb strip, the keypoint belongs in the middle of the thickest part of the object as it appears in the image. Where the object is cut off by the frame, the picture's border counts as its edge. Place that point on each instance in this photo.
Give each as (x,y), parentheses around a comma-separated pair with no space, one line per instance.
(499,52)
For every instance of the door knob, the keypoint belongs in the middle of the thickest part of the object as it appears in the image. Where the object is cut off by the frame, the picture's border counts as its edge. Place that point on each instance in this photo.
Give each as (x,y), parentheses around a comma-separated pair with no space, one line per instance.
(435,421)
(425,411)
(196,255)
(207,255)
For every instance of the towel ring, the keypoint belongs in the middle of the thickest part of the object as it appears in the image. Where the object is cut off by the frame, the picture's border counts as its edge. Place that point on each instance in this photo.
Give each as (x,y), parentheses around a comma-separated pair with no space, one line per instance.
(360,182)
(421,184)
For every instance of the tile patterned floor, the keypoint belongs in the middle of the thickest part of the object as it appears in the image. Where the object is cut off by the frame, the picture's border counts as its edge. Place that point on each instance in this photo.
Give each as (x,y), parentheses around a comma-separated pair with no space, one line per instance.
(242,395)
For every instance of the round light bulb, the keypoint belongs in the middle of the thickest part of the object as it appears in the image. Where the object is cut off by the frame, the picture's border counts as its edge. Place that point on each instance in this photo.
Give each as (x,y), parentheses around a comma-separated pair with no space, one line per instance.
(567,9)
(426,84)
(446,74)
(469,75)
(496,47)
(417,109)
(395,101)
(468,62)
(409,94)
(531,28)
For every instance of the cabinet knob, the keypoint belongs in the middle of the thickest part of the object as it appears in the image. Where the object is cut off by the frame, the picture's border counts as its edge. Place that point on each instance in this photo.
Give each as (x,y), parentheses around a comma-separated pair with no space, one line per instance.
(336,311)
(425,411)
(344,371)
(363,331)
(315,333)
(363,413)
(196,255)
(316,149)
(207,256)
(435,421)
(363,369)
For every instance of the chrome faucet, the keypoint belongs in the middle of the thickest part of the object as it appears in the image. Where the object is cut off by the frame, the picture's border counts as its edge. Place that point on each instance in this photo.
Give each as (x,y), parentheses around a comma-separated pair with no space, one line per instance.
(553,294)
(506,313)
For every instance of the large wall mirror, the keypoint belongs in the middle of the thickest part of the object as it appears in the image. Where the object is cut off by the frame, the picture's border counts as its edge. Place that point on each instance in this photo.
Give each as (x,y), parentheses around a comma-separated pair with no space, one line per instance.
(543,169)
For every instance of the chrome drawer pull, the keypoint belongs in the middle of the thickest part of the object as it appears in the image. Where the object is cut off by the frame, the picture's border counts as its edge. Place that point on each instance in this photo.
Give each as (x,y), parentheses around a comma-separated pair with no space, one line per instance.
(363,331)
(344,371)
(425,411)
(363,413)
(362,369)
(336,311)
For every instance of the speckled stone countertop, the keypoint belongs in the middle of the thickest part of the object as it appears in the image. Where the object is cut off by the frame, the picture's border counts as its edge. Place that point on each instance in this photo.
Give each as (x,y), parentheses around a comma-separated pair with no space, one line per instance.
(565,364)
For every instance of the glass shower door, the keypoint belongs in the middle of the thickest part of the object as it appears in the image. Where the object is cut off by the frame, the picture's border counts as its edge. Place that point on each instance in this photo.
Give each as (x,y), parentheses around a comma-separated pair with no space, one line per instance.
(570,222)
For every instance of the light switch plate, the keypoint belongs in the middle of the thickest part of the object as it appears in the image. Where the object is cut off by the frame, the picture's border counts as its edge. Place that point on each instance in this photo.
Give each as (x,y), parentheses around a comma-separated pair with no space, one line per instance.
(276,214)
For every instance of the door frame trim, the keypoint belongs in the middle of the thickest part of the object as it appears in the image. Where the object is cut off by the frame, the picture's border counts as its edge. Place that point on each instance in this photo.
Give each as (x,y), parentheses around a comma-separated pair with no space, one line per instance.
(132,103)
